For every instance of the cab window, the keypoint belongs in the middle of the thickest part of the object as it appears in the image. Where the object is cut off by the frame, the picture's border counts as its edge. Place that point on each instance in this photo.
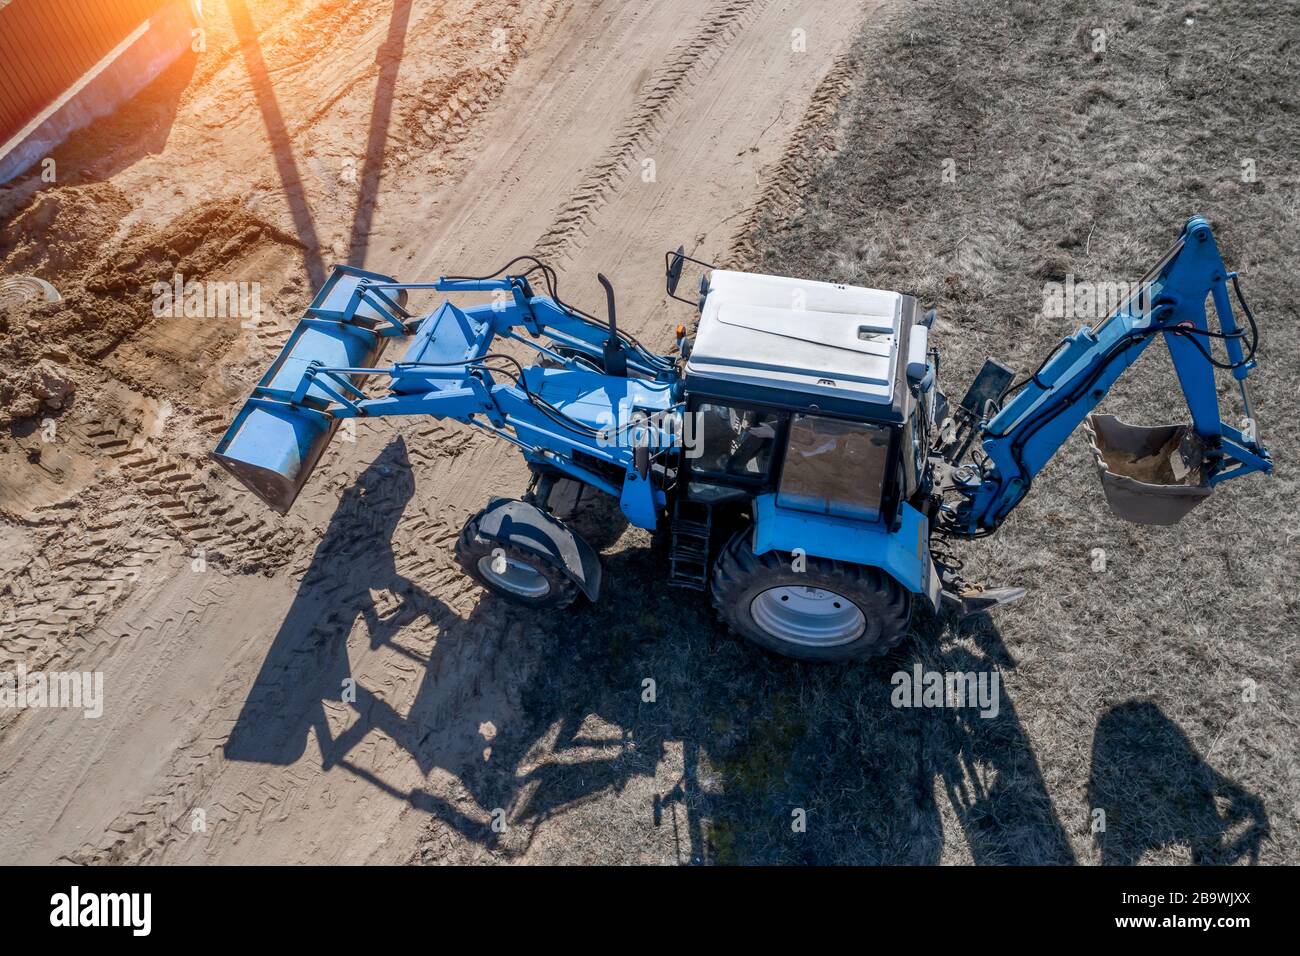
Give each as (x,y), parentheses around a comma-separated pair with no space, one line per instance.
(732,443)
(835,467)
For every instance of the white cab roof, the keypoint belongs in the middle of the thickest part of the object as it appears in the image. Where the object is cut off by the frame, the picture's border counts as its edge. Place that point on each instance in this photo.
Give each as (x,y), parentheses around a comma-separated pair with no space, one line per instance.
(814,337)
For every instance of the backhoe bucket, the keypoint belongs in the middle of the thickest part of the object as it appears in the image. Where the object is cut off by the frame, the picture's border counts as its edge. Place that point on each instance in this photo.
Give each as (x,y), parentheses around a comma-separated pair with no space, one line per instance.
(277,437)
(1151,475)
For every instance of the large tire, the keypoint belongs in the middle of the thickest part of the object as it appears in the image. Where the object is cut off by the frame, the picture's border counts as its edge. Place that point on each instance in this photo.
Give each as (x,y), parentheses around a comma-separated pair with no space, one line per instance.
(829,611)
(520,576)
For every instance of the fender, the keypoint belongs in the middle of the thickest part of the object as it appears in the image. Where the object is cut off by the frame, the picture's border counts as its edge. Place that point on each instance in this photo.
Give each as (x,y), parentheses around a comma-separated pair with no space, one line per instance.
(904,555)
(529,527)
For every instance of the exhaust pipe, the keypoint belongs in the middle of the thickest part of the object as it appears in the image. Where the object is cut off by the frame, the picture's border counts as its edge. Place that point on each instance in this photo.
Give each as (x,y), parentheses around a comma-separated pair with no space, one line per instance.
(615,357)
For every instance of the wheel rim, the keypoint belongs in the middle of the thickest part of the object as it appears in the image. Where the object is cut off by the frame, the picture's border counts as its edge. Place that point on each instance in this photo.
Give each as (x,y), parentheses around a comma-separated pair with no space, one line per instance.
(515,576)
(813,617)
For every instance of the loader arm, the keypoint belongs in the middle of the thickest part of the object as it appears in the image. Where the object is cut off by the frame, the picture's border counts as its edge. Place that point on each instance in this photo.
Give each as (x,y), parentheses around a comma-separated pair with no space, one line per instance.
(566,415)
(1022,435)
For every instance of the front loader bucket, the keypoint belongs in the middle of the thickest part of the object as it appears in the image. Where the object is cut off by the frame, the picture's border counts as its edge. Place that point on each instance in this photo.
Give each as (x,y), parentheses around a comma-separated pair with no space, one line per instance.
(1151,475)
(275,441)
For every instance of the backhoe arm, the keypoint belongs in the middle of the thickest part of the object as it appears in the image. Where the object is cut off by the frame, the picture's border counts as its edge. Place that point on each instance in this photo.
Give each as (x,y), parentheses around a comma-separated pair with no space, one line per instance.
(1042,411)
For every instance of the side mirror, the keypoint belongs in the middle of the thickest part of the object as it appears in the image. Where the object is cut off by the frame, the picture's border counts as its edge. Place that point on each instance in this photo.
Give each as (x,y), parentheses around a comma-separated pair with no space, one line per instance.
(674,262)
(674,268)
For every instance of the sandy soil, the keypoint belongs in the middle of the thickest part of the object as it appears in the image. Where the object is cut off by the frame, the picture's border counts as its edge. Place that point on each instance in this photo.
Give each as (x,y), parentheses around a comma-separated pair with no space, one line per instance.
(412,137)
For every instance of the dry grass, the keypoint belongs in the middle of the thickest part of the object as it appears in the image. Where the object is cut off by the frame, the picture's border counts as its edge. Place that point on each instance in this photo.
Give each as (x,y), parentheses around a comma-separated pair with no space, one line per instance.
(1130,682)
(1123,688)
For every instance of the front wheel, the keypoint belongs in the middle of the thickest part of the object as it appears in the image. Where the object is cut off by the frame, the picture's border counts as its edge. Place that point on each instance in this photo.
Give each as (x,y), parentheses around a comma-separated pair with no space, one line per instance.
(516,574)
(829,611)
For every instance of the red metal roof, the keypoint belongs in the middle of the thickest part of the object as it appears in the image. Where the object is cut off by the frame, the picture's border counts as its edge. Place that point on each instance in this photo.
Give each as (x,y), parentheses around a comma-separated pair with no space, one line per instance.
(46,47)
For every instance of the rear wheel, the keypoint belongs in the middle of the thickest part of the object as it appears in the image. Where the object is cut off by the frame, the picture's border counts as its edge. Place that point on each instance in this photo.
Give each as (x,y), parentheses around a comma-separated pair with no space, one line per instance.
(516,574)
(829,611)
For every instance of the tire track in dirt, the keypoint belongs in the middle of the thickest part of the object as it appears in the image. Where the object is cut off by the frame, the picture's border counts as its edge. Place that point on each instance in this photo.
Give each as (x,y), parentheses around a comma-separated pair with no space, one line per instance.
(456,113)
(810,146)
(132,657)
(92,551)
(380,600)
(666,86)
(514,162)
(239,799)
(78,576)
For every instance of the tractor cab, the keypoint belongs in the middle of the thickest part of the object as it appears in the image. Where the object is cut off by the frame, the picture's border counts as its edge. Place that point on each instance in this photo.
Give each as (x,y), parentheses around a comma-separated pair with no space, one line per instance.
(810,392)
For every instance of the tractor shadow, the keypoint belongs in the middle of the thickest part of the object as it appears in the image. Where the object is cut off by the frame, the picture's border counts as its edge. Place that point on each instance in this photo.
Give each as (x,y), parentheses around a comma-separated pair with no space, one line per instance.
(1157,791)
(308,689)
(792,763)
(308,663)
(756,737)
(730,751)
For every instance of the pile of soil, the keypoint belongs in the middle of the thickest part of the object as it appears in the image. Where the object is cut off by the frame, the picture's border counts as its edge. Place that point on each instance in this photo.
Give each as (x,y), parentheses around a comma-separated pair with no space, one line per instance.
(62,230)
(70,237)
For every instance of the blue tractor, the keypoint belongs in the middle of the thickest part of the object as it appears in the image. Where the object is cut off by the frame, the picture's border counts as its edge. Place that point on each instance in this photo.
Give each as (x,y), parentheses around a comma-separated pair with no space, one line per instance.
(796,450)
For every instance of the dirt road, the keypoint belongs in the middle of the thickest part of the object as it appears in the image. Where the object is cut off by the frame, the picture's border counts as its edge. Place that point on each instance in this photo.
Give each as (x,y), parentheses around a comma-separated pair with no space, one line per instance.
(318,688)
